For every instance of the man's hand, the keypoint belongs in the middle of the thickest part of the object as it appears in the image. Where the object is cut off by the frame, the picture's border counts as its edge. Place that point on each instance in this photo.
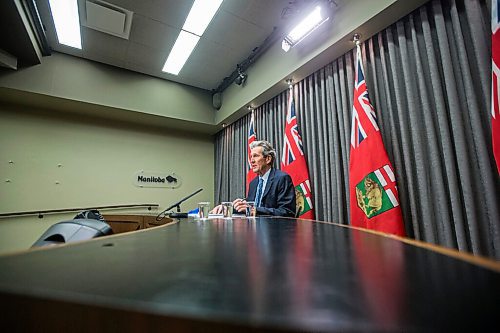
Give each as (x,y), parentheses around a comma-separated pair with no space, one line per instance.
(217,210)
(239,205)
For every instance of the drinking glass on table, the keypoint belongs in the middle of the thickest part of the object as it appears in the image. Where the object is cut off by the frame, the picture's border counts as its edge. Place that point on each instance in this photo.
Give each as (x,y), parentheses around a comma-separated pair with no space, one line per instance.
(250,209)
(227,209)
(203,208)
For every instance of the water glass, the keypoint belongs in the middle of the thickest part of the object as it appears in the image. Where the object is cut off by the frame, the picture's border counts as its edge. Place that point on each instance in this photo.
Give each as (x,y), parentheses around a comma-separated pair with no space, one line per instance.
(203,208)
(227,209)
(250,209)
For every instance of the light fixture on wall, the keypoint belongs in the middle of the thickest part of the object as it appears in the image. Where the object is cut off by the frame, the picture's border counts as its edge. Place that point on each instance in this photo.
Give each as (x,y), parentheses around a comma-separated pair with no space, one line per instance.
(356,38)
(241,78)
(310,23)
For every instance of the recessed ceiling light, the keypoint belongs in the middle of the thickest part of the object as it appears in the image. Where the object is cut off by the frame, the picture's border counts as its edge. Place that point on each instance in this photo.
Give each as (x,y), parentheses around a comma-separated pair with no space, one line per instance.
(304,28)
(181,51)
(67,22)
(199,17)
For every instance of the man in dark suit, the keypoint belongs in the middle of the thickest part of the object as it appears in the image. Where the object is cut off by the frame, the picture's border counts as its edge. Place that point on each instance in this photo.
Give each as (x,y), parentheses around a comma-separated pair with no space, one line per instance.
(272,191)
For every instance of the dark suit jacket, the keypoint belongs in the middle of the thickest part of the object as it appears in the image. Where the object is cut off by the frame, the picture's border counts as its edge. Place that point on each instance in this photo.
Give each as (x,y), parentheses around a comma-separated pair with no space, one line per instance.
(279,195)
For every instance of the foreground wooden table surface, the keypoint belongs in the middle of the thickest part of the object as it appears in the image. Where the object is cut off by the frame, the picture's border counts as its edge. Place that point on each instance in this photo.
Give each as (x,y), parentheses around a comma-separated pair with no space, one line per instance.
(242,275)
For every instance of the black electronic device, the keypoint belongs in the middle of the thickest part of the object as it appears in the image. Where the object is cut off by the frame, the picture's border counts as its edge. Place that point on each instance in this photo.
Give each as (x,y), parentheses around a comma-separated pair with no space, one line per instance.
(178,215)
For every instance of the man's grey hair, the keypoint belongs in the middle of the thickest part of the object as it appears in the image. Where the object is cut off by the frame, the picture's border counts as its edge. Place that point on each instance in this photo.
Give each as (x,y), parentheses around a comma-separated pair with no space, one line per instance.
(267,149)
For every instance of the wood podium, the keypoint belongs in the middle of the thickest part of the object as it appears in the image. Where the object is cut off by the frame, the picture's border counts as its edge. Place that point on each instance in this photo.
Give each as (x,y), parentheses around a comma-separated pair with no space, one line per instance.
(127,223)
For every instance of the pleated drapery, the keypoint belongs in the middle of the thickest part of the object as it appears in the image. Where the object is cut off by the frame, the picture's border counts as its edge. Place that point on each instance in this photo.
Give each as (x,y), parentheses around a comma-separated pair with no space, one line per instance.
(428,77)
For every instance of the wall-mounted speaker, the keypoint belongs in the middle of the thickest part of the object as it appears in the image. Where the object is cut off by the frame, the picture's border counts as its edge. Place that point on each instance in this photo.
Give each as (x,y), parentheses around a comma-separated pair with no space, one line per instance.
(217,100)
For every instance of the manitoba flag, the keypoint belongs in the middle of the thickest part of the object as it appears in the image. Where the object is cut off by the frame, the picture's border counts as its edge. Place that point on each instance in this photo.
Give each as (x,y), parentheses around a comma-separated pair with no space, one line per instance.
(251,138)
(495,80)
(294,163)
(374,197)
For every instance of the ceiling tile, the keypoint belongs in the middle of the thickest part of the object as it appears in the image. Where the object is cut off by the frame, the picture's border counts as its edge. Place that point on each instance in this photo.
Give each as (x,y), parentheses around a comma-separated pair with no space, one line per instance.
(146,57)
(263,13)
(241,35)
(104,59)
(97,42)
(170,12)
(153,34)
(210,63)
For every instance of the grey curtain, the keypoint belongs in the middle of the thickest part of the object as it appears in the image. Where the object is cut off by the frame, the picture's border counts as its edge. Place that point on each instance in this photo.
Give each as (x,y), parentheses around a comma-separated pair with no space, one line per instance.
(428,77)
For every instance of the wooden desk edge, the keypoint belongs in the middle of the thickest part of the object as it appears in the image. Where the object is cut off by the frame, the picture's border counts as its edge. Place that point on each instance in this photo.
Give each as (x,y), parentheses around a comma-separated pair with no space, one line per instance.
(464,256)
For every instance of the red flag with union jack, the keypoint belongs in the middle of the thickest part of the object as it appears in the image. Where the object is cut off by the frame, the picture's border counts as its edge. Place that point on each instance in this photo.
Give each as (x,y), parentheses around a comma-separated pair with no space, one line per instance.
(495,80)
(251,138)
(374,197)
(294,163)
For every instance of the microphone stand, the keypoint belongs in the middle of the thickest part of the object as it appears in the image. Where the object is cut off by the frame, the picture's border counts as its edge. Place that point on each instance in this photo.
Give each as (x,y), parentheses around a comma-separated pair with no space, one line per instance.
(178,205)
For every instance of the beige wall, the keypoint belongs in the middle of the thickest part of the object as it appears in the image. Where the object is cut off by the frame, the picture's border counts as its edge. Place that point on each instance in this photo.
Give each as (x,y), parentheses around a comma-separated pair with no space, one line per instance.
(81,80)
(98,159)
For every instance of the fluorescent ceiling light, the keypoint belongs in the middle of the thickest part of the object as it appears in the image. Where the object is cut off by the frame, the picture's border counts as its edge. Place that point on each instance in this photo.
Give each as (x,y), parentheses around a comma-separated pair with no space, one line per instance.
(304,28)
(67,22)
(180,53)
(197,21)
(200,15)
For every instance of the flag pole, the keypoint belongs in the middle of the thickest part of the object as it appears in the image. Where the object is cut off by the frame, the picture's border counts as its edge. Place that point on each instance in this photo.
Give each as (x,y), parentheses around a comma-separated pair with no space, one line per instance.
(293,160)
(374,200)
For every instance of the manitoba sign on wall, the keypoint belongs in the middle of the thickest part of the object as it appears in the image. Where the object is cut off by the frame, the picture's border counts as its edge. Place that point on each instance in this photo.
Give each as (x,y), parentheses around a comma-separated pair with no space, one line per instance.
(156,179)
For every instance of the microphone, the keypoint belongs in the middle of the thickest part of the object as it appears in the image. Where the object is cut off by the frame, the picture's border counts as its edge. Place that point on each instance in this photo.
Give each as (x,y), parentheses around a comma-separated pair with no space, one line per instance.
(178,205)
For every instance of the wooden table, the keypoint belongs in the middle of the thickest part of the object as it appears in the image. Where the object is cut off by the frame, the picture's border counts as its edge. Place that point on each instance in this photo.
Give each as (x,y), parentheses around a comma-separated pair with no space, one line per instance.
(241,275)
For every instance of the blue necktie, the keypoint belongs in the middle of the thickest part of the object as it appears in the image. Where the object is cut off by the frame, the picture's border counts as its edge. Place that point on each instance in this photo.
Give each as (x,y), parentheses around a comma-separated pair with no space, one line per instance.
(259,192)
